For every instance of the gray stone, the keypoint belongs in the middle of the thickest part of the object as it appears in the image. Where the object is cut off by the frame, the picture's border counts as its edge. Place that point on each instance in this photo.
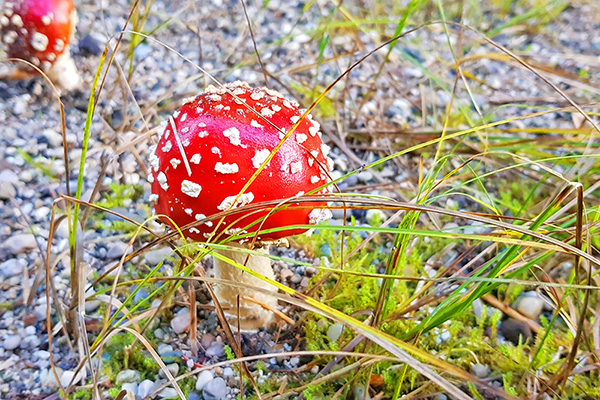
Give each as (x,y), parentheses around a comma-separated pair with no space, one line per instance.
(285,274)
(144,389)
(181,323)
(54,138)
(20,243)
(128,376)
(215,350)
(116,250)
(515,331)
(164,348)
(194,396)
(155,257)
(130,387)
(7,191)
(8,176)
(216,389)
(203,378)
(375,213)
(11,342)
(48,379)
(207,340)
(173,368)
(335,331)
(69,378)
(12,267)
(365,176)
(480,370)
(530,306)
(159,333)
(167,393)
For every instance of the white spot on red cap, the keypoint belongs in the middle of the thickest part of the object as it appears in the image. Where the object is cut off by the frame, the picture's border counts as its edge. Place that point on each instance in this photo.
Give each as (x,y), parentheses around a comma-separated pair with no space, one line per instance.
(314,123)
(313,130)
(167,147)
(201,125)
(175,162)
(202,134)
(259,157)
(255,124)
(162,180)
(272,92)
(325,149)
(225,168)
(188,211)
(233,134)
(227,203)
(301,138)
(216,150)
(195,159)
(214,97)
(59,45)
(10,37)
(39,41)
(150,178)
(287,104)
(257,95)
(17,21)
(47,19)
(267,112)
(315,179)
(190,188)
(153,197)
(183,117)
(154,160)
(296,167)
(161,130)
(294,118)
(195,230)
(275,107)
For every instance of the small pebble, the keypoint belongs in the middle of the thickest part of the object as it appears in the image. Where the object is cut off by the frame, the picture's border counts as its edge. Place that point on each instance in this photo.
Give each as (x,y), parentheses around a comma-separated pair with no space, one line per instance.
(480,370)
(203,378)
(530,306)
(335,331)
(181,323)
(144,388)
(515,331)
(11,342)
(167,393)
(216,389)
(215,350)
(128,376)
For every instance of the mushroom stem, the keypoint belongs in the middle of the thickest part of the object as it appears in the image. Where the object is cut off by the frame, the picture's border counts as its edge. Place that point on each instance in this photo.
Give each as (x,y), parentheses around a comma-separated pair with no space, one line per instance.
(252,314)
(64,73)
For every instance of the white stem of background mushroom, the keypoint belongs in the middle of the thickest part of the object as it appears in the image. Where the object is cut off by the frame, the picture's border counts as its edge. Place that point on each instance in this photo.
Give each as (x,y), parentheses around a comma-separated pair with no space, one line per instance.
(252,315)
(180,145)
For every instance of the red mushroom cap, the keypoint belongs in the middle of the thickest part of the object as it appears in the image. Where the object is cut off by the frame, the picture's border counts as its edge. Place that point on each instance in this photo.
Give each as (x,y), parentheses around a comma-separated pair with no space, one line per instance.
(224,144)
(37,31)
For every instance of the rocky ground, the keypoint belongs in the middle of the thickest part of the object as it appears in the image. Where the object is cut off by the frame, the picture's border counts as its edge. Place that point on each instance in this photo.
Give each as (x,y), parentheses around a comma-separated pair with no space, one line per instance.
(32,171)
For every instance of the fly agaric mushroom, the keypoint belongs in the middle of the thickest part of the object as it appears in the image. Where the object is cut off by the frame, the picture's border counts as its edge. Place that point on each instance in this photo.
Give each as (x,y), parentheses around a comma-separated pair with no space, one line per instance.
(39,31)
(207,153)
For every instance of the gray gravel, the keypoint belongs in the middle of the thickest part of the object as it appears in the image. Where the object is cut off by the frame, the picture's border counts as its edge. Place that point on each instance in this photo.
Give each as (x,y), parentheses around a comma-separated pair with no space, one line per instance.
(32,168)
